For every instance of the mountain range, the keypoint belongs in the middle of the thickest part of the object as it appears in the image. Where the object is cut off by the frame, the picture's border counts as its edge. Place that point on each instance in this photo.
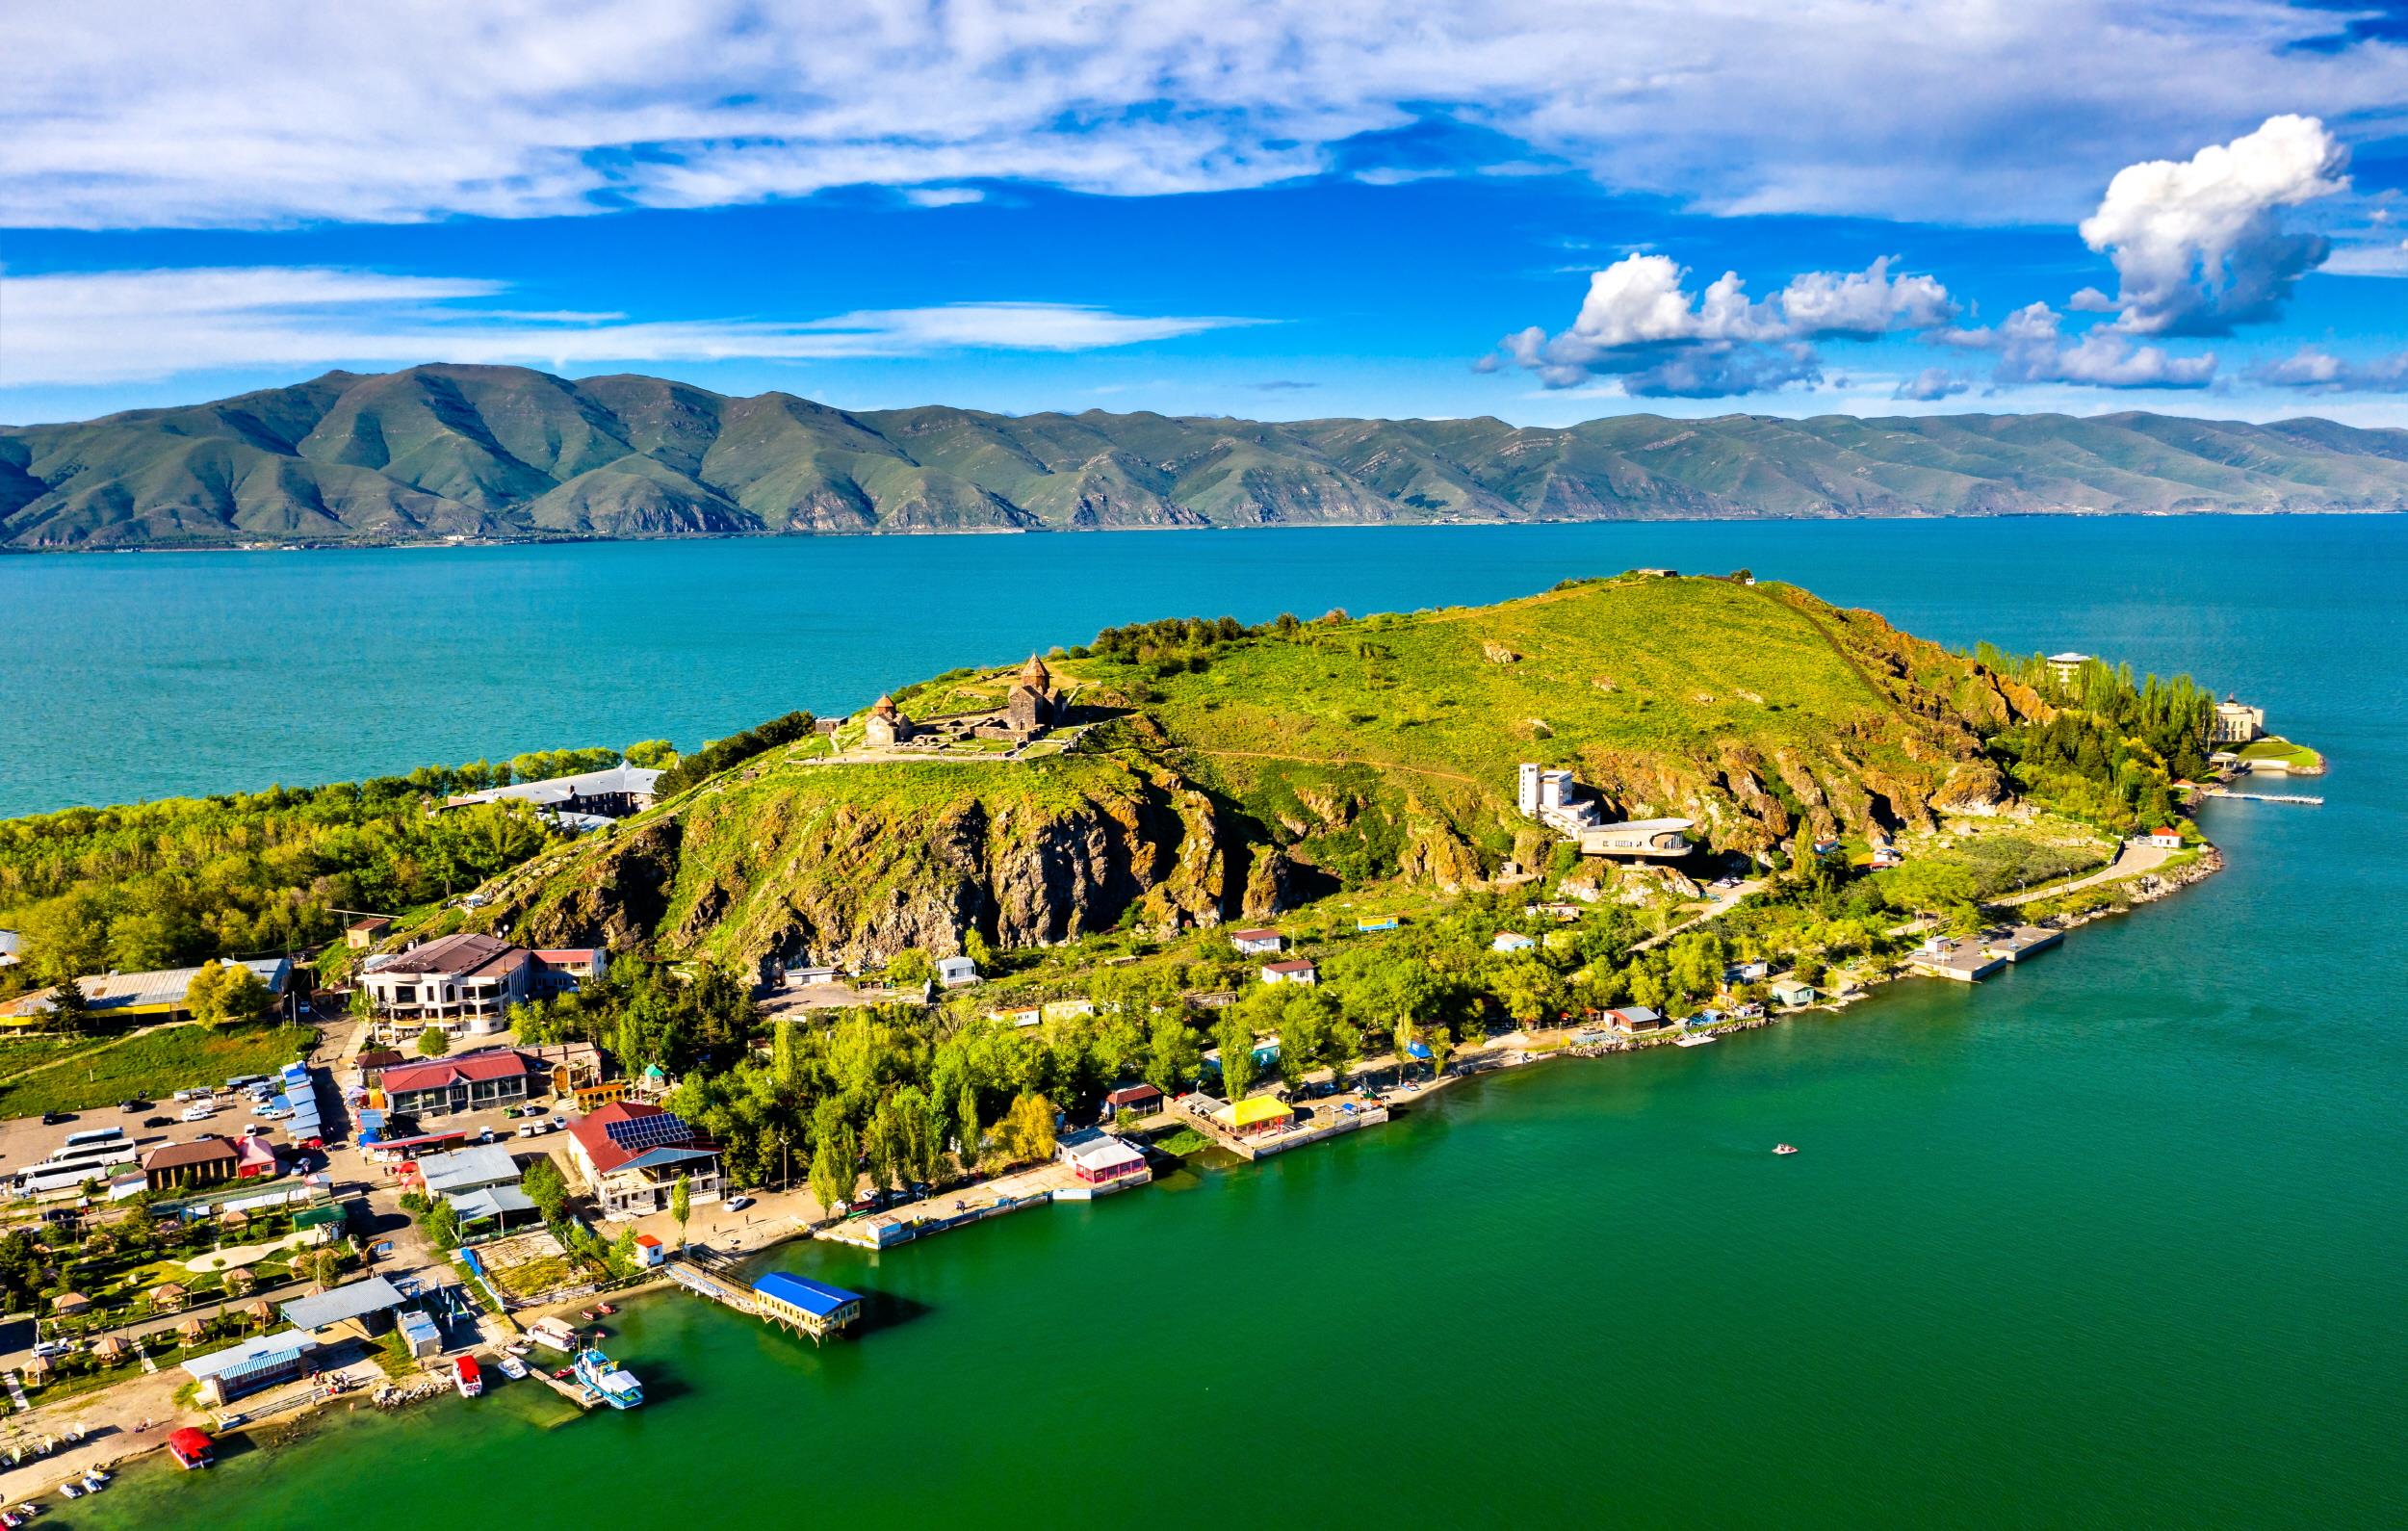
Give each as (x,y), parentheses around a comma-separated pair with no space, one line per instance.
(507,452)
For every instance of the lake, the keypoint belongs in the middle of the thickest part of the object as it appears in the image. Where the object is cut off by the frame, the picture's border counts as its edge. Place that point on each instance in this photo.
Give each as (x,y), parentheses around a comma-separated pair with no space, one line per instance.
(2115,1239)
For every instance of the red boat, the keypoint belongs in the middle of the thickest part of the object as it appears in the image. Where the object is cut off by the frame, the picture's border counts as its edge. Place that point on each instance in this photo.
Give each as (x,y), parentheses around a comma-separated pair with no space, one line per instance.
(467,1378)
(191,1448)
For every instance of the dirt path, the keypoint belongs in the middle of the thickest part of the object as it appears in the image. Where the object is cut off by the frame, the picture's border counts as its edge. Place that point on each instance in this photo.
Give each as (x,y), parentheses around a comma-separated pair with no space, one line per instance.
(1334,760)
(1722,905)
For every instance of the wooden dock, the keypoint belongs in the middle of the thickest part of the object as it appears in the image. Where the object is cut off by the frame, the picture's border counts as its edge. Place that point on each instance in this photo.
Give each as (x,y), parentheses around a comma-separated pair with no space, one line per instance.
(2270,797)
(711,1287)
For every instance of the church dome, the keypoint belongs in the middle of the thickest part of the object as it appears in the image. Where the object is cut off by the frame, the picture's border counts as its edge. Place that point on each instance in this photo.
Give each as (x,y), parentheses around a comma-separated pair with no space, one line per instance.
(1035,675)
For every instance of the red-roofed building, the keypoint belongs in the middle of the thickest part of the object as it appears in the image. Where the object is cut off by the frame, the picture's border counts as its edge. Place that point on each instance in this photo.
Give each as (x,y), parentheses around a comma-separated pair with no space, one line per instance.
(469,1082)
(2166,839)
(632,1153)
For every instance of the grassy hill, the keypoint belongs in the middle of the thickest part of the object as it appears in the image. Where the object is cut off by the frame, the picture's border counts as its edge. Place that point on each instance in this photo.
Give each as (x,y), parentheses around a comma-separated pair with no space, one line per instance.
(1225,772)
(505,452)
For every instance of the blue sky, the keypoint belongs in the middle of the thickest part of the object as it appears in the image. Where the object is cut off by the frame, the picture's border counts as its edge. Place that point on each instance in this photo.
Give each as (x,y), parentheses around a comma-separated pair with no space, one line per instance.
(1520,209)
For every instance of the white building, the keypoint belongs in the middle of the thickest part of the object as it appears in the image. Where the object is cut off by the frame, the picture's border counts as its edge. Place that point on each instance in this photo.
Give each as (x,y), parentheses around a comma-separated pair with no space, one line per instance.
(955,973)
(1511,940)
(2064,668)
(2236,722)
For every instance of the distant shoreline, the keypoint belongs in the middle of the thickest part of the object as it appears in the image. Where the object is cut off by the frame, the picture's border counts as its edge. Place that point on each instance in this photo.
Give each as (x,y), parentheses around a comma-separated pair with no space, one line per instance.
(451,544)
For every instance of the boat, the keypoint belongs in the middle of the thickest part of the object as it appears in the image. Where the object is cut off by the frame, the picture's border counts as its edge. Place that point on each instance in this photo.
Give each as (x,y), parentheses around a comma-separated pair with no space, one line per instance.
(70,1491)
(467,1378)
(603,1377)
(586,1314)
(1784,1148)
(93,1480)
(191,1448)
(1695,1039)
(604,1309)
(512,1368)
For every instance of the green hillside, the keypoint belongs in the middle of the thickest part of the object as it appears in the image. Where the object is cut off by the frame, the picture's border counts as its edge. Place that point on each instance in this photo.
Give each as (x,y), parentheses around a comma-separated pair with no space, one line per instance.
(1214,772)
(506,452)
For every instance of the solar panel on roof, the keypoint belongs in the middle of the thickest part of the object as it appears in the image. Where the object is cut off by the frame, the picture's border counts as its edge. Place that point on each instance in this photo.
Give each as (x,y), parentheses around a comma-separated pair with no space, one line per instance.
(640,1132)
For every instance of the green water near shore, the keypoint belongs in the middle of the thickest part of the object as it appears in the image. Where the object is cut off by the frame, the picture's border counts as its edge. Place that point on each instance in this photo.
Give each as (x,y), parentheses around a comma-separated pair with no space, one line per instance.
(2116,1239)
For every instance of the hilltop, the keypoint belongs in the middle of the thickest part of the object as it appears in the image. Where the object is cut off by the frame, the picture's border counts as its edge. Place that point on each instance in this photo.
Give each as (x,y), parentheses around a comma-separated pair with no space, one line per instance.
(437,451)
(1208,772)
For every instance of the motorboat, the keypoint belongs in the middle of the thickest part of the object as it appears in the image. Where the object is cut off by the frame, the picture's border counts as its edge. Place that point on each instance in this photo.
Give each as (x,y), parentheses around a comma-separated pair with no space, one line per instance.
(608,1381)
(467,1378)
(192,1449)
(1784,1148)
(1695,1039)
(511,1367)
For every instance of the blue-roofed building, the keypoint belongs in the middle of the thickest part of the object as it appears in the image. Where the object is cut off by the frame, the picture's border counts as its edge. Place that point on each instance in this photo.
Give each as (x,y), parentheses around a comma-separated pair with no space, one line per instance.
(238,1370)
(814,1308)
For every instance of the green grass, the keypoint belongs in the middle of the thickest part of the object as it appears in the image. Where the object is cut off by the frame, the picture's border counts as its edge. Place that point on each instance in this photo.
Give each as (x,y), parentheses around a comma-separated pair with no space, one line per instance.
(19,1053)
(2271,750)
(151,1065)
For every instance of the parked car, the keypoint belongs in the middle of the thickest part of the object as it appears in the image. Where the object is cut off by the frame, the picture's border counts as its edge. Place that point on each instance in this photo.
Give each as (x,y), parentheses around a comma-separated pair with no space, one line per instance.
(559,1122)
(129,1108)
(54,1347)
(527,1131)
(54,1118)
(736,1204)
(158,1120)
(274,1113)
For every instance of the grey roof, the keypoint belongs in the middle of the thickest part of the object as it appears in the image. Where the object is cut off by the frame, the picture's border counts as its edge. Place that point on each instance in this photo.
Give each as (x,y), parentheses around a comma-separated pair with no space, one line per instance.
(162,986)
(417,1326)
(633,780)
(468,1169)
(491,1202)
(351,1300)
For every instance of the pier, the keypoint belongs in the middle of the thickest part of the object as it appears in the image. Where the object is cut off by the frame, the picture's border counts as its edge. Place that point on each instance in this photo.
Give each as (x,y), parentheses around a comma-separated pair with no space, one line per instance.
(711,1287)
(2269,797)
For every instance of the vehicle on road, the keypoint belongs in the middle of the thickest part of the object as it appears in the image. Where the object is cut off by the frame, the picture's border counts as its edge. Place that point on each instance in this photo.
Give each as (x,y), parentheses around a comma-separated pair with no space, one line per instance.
(54,1118)
(198,1111)
(736,1204)
(129,1108)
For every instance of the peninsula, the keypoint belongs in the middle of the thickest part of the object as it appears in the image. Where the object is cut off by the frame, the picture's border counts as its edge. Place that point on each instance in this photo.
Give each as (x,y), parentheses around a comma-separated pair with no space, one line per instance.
(438,454)
(999,937)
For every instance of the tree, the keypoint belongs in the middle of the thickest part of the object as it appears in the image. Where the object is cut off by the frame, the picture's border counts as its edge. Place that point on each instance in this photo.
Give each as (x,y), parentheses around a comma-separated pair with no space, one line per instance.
(547,1188)
(681,1205)
(227,993)
(69,1011)
(1236,1041)
(433,1042)
(909,966)
(1173,1055)
(966,1126)
(831,1176)
(1026,1131)
(652,754)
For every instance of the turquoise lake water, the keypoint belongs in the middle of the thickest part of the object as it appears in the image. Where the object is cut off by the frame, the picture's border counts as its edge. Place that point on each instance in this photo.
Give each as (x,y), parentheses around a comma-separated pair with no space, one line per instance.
(2117,1240)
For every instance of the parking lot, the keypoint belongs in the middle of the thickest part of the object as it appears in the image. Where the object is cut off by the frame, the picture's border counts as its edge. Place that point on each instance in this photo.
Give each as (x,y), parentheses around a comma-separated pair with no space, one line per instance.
(28,1140)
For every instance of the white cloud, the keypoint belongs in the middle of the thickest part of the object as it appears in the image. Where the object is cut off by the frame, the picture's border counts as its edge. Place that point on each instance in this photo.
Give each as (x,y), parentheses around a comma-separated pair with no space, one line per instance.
(1932,382)
(125,113)
(2388,258)
(1641,324)
(2033,349)
(2314,371)
(2200,245)
(109,326)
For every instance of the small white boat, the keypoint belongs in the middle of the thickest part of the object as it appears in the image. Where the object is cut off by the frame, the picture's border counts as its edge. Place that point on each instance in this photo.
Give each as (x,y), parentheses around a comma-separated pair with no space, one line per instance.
(1695,1039)
(70,1491)
(511,1367)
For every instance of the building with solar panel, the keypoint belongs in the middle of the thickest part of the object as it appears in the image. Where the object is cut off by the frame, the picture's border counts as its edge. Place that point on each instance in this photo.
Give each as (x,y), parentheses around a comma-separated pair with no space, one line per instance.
(630,1155)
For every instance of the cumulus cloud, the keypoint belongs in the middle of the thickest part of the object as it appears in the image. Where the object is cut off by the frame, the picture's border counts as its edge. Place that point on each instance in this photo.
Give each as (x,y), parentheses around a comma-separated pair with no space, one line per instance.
(111,327)
(1641,324)
(118,112)
(2314,371)
(2033,349)
(2199,245)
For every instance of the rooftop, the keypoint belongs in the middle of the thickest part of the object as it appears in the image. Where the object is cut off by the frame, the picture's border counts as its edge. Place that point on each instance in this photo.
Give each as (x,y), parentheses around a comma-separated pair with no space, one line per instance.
(816,1298)
(199,1150)
(371,1294)
(466,955)
(252,1355)
(494,1063)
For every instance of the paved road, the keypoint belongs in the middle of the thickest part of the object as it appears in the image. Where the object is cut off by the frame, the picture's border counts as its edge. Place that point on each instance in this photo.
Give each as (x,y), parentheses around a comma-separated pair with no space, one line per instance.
(2130,862)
